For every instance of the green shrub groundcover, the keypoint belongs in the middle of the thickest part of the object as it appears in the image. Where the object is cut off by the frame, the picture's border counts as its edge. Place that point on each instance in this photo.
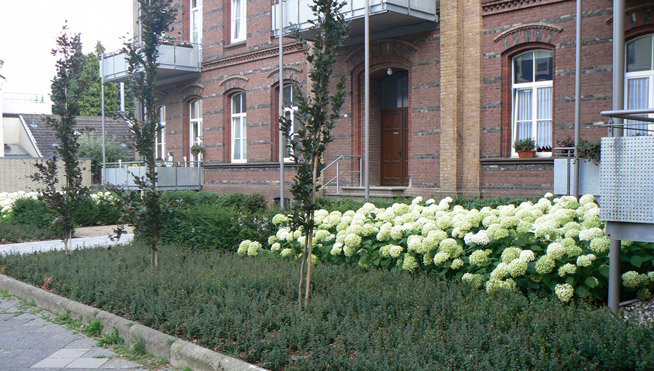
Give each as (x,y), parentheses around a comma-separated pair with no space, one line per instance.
(358,319)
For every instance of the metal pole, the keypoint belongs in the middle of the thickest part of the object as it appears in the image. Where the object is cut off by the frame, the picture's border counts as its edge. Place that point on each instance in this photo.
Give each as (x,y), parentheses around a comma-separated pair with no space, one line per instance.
(282,142)
(367,103)
(104,150)
(618,104)
(576,180)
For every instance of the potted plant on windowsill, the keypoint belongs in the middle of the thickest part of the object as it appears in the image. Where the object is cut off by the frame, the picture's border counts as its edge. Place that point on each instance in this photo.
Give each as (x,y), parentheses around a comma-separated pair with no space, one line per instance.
(196,149)
(526,148)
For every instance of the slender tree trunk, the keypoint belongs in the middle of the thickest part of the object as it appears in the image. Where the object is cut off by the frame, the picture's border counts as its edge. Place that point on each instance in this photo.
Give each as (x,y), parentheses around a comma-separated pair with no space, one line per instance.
(299,289)
(309,239)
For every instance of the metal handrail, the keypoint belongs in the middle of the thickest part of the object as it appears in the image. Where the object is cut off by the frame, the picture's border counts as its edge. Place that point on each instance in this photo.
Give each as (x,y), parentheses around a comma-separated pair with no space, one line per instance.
(125,164)
(339,173)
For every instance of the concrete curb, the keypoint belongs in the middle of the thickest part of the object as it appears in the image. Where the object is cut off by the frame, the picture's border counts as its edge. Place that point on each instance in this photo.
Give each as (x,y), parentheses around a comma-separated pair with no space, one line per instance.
(178,352)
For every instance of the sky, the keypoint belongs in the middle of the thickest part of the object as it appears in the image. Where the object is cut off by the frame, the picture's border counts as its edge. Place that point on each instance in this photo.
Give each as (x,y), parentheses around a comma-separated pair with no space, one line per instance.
(29,29)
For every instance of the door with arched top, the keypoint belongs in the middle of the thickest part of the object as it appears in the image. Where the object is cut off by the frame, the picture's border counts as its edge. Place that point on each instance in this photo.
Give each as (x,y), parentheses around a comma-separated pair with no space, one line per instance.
(394,129)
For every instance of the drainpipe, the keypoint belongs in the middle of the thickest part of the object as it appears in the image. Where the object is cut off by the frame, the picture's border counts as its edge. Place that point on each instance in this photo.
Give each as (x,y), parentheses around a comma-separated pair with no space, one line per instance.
(280,111)
(367,102)
(104,152)
(576,180)
(618,104)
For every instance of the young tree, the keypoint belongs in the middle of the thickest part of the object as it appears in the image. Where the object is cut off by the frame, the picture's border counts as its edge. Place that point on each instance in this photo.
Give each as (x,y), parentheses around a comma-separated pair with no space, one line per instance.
(69,86)
(316,115)
(90,100)
(156,17)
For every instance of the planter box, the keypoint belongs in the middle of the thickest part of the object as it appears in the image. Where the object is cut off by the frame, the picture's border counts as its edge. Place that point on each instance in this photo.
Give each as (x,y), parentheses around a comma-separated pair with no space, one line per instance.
(588,174)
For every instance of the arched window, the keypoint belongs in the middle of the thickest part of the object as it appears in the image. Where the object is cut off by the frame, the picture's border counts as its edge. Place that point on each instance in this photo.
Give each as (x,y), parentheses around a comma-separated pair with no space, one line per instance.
(639,81)
(290,107)
(532,77)
(195,127)
(239,128)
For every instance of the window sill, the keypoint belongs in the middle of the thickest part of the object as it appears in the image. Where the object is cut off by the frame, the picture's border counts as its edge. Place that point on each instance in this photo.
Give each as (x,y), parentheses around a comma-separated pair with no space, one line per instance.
(235,45)
(517,161)
(246,165)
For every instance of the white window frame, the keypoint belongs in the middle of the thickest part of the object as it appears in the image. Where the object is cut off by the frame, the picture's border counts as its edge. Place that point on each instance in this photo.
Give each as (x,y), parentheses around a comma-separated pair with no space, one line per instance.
(240,119)
(196,16)
(160,136)
(195,127)
(290,110)
(242,12)
(647,74)
(533,86)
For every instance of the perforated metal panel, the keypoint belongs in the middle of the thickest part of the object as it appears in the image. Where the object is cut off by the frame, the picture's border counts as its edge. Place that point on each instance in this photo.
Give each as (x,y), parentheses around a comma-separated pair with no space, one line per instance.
(627,179)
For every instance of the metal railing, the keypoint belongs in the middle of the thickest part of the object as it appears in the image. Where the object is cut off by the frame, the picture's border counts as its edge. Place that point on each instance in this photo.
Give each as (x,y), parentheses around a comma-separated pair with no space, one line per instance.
(170,175)
(339,172)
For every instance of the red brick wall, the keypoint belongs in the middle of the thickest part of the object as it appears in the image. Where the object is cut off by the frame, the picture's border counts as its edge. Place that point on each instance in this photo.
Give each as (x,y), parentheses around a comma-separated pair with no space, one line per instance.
(254,62)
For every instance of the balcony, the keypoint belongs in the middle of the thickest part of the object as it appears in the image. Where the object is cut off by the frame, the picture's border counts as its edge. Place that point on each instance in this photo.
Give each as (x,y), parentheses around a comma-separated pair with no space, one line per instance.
(179,176)
(176,62)
(387,17)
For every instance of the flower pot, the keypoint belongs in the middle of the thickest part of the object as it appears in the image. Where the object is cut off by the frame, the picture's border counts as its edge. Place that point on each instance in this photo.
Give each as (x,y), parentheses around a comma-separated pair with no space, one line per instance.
(527,154)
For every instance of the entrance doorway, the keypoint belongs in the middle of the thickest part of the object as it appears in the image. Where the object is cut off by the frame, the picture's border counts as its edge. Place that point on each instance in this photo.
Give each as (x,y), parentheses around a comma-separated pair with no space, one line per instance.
(394,128)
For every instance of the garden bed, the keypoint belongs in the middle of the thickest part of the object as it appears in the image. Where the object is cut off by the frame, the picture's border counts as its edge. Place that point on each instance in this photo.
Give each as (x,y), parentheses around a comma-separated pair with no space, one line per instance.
(357,319)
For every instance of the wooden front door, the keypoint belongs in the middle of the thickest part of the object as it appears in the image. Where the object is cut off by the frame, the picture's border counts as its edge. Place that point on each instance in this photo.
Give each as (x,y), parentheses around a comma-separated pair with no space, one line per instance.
(394,154)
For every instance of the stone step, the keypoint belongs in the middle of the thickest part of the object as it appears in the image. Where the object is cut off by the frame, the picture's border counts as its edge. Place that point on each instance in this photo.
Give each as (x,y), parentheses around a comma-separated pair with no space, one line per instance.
(359,192)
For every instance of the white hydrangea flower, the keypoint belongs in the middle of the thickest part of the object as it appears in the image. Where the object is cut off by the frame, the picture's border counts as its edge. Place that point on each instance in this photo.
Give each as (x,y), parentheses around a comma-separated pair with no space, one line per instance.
(500,271)
(586,260)
(476,280)
(410,263)
(275,247)
(287,252)
(253,248)
(590,233)
(457,263)
(479,257)
(600,245)
(527,256)
(585,199)
(556,251)
(510,253)
(337,249)
(567,268)
(395,251)
(518,267)
(243,247)
(441,257)
(564,292)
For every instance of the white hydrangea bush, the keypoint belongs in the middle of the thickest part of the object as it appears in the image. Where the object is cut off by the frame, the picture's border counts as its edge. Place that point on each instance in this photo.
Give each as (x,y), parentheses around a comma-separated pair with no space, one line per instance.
(7,200)
(555,244)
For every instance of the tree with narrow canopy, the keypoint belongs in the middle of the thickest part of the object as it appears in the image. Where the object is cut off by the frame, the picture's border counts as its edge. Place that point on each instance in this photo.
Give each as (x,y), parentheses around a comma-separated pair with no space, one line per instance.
(67,195)
(146,212)
(317,112)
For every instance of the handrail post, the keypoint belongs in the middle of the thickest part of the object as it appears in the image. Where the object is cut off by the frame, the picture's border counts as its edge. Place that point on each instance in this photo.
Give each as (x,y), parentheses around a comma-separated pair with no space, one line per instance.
(338,187)
(360,172)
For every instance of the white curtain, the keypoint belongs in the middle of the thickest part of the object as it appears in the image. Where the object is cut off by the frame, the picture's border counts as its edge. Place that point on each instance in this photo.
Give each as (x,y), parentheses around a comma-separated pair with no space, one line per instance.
(544,123)
(523,114)
(637,98)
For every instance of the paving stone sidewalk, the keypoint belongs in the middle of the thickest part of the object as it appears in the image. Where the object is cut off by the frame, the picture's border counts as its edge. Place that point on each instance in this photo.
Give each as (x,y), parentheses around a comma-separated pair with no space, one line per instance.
(77,243)
(29,342)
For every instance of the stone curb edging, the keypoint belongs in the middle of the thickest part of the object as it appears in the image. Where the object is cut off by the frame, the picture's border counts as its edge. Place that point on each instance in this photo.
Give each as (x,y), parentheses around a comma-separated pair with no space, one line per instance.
(179,353)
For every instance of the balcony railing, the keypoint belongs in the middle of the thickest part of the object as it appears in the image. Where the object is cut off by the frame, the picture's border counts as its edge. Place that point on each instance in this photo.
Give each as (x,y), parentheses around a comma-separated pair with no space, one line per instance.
(176,62)
(170,176)
(385,15)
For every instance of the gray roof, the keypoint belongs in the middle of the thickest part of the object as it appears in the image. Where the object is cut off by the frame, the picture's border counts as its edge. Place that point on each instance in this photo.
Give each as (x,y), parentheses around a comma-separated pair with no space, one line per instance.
(116,130)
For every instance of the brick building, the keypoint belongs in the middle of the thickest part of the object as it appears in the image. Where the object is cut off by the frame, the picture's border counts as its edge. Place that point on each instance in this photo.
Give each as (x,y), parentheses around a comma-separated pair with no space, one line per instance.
(453,84)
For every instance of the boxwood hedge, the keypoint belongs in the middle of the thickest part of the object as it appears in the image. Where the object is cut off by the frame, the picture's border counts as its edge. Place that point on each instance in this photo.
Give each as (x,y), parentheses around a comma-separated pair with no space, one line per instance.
(357,319)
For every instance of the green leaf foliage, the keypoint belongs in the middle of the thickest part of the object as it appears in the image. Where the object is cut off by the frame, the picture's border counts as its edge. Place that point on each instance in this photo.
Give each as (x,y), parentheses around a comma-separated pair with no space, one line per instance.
(358,319)
(147,212)
(65,195)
